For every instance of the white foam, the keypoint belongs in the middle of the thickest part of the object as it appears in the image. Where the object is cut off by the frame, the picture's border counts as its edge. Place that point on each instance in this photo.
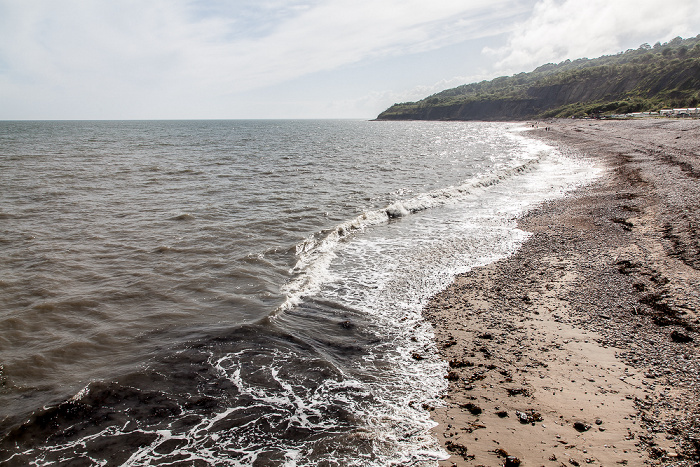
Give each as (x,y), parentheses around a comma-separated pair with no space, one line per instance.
(316,253)
(390,271)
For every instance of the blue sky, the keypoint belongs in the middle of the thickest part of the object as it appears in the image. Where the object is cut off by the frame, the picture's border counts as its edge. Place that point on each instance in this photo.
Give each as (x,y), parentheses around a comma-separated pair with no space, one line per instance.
(180,59)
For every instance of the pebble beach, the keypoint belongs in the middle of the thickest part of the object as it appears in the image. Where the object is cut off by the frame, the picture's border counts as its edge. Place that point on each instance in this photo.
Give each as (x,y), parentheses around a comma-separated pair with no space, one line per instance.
(582,347)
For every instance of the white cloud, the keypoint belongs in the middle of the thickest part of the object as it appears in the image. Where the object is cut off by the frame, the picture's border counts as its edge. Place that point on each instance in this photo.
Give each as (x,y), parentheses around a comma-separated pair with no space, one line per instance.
(201,58)
(558,30)
(332,34)
(175,54)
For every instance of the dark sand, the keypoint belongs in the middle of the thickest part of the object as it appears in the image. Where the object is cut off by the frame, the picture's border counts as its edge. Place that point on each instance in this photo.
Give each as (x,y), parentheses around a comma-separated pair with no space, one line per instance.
(582,348)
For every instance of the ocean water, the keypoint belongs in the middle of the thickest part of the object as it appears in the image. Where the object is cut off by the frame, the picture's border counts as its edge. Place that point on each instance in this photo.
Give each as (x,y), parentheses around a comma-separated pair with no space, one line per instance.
(243,292)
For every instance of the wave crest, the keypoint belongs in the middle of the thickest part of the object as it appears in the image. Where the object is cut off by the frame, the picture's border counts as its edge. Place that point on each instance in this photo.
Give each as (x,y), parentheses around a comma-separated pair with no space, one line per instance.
(316,252)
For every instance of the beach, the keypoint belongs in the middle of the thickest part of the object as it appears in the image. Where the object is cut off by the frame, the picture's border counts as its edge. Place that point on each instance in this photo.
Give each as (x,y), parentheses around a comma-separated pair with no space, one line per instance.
(581,348)
(164,309)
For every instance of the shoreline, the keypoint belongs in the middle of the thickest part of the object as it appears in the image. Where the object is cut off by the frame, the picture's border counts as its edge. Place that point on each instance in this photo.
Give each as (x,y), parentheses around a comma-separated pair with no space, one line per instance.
(581,348)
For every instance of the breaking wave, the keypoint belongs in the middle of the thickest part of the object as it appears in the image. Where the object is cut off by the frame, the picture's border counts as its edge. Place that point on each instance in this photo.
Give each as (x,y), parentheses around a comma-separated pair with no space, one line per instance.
(316,253)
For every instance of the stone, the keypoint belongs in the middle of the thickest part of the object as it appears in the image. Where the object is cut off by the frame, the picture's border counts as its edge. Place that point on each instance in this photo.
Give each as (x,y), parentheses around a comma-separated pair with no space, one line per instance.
(680,337)
(581,426)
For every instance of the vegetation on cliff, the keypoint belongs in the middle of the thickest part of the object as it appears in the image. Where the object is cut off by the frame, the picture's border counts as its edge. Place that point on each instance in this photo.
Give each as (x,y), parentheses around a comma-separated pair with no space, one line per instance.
(643,79)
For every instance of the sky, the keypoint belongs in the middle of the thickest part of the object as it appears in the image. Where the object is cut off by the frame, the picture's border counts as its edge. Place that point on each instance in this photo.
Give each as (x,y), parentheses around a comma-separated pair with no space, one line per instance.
(218,59)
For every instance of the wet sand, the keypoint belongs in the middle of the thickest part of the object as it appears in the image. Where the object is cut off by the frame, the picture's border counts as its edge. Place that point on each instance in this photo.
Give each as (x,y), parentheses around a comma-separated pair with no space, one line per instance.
(582,348)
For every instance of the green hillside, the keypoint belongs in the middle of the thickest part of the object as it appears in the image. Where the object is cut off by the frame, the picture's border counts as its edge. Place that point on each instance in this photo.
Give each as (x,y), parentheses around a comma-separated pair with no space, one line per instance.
(644,79)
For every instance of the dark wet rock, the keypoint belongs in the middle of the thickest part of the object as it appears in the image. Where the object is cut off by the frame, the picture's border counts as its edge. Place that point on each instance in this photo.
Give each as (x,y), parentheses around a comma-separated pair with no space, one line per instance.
(502,414)
(454,363)
(680,337)
(581,426)
(472,408)
(518,391)
(449,343)
(626,266)
(512,461)
(626,225)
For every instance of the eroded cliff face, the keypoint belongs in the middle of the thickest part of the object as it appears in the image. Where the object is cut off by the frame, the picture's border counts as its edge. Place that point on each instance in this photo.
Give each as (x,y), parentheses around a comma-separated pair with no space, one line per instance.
(539,99)
(502,109)
(506,109)
(553,96)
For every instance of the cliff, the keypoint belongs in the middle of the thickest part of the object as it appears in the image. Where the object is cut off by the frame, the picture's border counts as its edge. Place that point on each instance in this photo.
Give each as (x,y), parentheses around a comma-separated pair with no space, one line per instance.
(643,79)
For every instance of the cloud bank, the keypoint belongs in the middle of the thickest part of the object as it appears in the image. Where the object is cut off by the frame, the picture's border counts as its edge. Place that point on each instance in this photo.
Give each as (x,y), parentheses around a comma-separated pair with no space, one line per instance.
(218,58)
(171,54)
(558,30)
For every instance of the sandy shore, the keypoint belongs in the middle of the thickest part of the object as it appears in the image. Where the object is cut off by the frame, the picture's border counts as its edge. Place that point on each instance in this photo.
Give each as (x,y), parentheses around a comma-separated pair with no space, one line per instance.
(581,349)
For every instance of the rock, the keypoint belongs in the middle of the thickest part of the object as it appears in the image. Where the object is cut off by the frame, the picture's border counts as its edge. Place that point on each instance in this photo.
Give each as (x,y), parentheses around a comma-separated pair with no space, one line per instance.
(656,452)
(512,461)
(517,391)
(581,426)
(528,417)
(472,408)
(449,342)
(680,337)
(454,363)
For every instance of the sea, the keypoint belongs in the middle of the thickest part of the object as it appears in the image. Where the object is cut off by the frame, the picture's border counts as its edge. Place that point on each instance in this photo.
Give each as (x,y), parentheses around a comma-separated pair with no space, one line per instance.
(244,292)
